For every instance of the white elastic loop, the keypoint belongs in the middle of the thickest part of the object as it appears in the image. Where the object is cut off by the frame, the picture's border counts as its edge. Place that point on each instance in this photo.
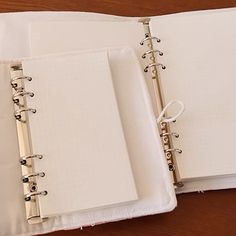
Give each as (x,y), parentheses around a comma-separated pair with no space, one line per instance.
(173,118)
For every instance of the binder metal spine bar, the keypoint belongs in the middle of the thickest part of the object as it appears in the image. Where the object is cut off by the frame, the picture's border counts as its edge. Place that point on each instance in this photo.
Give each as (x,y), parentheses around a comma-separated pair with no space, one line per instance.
(26,159)
(164,127)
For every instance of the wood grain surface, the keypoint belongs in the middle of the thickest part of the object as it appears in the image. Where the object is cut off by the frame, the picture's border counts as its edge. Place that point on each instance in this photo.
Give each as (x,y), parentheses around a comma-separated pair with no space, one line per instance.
(211,213)
(116,7)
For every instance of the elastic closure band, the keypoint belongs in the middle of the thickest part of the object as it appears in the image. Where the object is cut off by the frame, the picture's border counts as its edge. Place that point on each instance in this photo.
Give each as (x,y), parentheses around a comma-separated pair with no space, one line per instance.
(161,117)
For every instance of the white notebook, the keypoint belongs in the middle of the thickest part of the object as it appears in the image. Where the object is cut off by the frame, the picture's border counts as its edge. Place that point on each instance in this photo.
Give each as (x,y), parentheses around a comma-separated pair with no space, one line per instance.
(100,83)
(77,126)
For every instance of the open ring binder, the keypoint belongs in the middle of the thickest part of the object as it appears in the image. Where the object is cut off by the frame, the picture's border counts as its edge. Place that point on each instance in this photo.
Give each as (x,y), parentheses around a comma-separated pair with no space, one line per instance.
(29,176)
(165,132)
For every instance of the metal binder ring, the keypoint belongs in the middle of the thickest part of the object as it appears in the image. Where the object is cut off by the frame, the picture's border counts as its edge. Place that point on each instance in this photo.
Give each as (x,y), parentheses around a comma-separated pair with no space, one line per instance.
(25,178)
(16,96)
(18,112)
(173,150)
(154,64)
(23,160)
(150,38)
(14,80)
(152,51)
(172,133)
(28,196)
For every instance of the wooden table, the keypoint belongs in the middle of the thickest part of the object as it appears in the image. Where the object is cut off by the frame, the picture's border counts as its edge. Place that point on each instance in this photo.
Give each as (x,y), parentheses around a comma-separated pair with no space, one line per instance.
(209,214)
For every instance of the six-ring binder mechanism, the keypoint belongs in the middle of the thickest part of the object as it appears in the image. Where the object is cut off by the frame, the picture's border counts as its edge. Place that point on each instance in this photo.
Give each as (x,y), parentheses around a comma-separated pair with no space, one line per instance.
(22,113)
(163,120)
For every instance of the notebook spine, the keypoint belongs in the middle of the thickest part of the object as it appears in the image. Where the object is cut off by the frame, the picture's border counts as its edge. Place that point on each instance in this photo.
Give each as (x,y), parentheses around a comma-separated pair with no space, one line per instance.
(27,157)
(165,131)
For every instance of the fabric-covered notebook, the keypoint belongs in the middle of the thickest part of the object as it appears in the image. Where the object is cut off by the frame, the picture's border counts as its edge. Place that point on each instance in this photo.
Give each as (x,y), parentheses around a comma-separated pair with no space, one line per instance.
(89,104)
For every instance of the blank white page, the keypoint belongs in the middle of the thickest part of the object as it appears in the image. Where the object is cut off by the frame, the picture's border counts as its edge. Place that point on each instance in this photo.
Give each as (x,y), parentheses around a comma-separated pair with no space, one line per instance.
(80,35)
(200,56)
(78,129)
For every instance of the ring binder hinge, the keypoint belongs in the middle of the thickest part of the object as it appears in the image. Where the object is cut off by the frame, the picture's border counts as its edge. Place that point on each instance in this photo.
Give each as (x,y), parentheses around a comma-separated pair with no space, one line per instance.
(164,121)
(29,176)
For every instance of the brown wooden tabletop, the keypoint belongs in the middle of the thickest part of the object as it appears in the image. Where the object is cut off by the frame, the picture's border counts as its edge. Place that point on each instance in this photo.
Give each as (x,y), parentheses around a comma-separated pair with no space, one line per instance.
(211,213)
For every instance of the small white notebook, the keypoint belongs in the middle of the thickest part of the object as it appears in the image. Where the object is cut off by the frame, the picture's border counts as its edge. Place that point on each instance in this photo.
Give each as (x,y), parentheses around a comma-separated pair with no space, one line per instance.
(89,117)
(95,129)
(78,130)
